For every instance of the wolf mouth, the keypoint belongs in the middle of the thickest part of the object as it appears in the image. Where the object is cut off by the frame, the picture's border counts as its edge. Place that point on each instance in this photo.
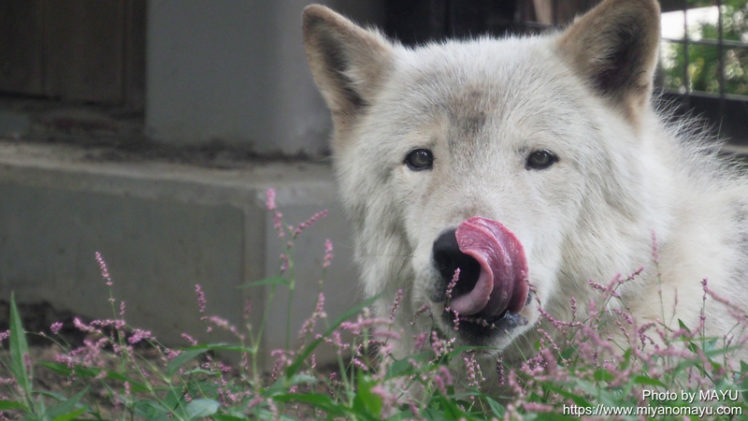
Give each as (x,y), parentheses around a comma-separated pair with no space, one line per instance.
(478,330)
(488,268)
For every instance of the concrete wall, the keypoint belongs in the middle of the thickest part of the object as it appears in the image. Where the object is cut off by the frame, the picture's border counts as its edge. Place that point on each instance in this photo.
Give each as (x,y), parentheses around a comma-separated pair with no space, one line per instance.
(217,70)
(162,228)
(235,71)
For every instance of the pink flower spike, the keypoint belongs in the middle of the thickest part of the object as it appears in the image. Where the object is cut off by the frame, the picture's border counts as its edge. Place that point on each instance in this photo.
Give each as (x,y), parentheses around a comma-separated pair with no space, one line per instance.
(201,302)
(452,284)
(328,253)
(270,199)
(396,304)
(309,222)
(55,328)
(192,341)
(139,335)
(103,268)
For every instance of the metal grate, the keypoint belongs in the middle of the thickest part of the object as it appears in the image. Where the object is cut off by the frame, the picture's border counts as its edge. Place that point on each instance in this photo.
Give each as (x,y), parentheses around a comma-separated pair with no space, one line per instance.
(722,100)
(712,60)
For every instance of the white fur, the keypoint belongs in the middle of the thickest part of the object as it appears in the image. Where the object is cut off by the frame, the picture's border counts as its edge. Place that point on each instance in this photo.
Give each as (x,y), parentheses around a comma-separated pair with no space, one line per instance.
(590,216)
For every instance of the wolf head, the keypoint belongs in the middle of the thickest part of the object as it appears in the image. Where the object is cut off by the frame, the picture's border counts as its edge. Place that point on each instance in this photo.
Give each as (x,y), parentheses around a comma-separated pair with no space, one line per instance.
(503,158)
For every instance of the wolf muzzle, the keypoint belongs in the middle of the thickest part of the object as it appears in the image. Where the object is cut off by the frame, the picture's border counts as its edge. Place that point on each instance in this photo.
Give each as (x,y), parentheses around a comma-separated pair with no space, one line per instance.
(493,268)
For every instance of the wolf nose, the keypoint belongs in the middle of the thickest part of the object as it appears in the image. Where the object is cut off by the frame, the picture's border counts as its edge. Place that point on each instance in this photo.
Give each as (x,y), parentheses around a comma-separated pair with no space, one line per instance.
(447,258)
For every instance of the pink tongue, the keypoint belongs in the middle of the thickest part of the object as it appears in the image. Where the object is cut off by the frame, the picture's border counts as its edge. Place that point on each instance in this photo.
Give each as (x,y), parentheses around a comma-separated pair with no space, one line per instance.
(502,283)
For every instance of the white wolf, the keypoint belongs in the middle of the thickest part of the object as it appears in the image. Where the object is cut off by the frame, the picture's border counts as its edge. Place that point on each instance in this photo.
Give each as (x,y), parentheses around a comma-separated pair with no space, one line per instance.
(533,164)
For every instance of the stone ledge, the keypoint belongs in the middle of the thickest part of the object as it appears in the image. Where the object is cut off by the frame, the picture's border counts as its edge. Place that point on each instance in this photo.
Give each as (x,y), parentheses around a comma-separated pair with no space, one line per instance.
(162,228)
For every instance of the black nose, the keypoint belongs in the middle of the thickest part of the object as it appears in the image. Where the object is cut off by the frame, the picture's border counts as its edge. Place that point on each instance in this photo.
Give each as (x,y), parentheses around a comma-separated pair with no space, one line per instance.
(447,258)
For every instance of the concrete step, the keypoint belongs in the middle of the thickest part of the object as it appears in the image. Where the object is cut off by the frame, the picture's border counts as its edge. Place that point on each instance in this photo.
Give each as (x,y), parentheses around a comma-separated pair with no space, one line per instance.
(162,228)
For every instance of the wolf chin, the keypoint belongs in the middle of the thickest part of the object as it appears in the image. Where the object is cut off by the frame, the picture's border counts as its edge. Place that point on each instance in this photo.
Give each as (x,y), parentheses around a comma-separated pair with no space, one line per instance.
(532,165)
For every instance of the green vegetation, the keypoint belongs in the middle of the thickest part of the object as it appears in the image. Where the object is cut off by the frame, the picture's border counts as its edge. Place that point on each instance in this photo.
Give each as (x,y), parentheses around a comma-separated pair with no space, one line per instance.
(703,60)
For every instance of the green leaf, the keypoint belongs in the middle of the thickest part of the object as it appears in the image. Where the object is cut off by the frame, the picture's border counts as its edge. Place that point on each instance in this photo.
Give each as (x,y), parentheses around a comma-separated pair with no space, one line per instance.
(303,355)
(602,374)
(200,408)
(7,405)
(275,280)
(434,414)
(224,417)
(19,349)
(67,407)
(366,402)
(683,326)
(302,378)
(150,410)
(642,379)
(182,359)
(497,408)
(317,400)
(79,371)
(70,415)
(403,367)
(220,346)
(448,407)
(135,387)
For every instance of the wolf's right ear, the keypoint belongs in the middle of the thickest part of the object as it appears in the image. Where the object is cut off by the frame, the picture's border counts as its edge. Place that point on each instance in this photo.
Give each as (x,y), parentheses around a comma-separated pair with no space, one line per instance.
(614,47)
(348,62)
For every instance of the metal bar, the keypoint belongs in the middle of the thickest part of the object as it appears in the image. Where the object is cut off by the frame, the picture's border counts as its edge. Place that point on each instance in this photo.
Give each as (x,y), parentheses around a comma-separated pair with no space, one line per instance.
(711,95)
(712,42)
(554,11)
(686,63)
(721,52)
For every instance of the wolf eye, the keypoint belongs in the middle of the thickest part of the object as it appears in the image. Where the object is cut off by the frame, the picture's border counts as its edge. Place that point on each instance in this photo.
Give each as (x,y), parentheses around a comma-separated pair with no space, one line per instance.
(540,160)
(419,160)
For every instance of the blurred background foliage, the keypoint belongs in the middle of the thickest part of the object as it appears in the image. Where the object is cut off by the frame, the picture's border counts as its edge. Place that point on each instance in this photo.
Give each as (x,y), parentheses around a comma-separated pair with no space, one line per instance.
(703,60)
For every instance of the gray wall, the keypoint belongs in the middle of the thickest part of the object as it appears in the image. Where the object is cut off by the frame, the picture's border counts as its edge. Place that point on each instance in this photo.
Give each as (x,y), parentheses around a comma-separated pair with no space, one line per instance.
(235,71)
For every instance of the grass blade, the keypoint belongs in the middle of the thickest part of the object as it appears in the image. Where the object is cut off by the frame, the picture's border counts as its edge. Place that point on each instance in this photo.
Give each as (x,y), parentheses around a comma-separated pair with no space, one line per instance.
(19,351)
(66,409)
(275,280)
(8,405)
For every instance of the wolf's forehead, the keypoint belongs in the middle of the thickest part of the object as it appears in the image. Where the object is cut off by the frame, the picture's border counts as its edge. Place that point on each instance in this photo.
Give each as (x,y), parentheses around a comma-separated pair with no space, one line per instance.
(465,102)
(470,83)
(484,84)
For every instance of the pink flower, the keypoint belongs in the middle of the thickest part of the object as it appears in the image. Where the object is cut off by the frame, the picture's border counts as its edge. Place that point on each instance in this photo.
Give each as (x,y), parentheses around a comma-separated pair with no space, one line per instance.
(284,262)
(328,253)
(396,304)
(419,340)
(278,224)
(189,339)
(103,268)
(82,326)
(452,284)
(201,302)
(537,407)
(139,335)
(270,199)
(309,222)
(55,328)
(255,401)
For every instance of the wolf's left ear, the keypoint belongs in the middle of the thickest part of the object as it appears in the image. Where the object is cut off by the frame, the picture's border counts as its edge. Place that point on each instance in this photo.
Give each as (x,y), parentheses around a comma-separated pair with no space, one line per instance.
(348,63)
(614,47)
